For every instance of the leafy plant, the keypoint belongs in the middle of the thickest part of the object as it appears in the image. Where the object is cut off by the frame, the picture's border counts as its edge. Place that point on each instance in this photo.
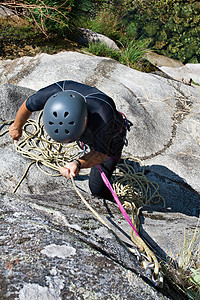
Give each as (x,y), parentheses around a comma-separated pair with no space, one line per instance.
(106,22)
(172,27)
(194,293)
(186,274)
(53,16)
(47,15)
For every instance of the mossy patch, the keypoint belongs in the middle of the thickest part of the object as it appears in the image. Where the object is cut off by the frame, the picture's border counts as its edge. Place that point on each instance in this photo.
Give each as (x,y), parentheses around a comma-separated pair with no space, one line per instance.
(19,38)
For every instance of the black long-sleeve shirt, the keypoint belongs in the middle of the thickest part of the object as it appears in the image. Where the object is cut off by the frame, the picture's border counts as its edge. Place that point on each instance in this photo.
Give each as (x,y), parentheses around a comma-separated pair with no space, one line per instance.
(104,121)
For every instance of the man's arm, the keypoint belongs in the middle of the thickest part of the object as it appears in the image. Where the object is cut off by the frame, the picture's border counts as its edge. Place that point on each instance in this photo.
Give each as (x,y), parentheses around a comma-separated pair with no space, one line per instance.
(87,161)
(15,129)
(92,159)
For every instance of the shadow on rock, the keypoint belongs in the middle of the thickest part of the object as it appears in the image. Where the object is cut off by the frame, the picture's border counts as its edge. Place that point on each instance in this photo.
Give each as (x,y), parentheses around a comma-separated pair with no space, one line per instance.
(178,196)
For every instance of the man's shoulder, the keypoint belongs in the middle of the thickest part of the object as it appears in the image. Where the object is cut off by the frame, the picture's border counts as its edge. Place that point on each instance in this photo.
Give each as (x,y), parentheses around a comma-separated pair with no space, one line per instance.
(79,87)
(92,94)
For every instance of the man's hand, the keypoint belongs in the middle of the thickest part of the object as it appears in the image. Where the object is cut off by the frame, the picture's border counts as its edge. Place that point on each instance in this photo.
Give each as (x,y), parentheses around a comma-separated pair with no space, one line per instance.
(89,160)
(70,168)
(15,132)
(22,116)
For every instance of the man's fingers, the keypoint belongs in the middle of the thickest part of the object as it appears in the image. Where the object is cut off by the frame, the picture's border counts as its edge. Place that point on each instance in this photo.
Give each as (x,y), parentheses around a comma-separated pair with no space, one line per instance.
(70,169)
(65,172)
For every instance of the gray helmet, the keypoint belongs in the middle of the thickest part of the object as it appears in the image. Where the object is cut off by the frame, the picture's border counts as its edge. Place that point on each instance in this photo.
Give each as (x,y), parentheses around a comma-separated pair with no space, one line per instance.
(65,116)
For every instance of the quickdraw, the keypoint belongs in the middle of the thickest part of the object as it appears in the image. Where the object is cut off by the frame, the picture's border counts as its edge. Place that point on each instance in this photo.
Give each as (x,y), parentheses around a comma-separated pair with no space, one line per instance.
(128,123)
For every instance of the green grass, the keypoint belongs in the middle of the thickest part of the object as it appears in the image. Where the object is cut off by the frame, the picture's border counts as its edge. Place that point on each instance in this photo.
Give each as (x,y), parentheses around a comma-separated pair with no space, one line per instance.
(195,83)
(101,49)
(130,55)
(186,275)
(133,53)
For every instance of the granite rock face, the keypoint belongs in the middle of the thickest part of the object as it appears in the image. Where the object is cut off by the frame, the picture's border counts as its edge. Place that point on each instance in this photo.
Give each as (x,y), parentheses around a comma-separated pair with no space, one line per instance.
(165,113)
(51,245)
(52,248)
(188,73)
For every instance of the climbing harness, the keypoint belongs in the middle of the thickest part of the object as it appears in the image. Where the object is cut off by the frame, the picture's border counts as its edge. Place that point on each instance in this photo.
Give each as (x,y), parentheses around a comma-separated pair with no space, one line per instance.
(47,154)
(84,148)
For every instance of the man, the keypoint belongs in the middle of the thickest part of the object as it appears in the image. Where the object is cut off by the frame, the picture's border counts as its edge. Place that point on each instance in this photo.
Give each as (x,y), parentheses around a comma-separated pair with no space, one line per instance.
(75,111)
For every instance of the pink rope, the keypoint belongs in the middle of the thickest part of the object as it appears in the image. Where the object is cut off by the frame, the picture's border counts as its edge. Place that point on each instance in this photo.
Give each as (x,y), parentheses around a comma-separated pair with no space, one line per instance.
(107,183)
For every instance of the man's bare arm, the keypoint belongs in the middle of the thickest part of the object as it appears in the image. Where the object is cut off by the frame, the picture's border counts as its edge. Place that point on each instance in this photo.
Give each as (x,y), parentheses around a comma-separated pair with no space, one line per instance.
(15,129)
(92,159)
(87,161)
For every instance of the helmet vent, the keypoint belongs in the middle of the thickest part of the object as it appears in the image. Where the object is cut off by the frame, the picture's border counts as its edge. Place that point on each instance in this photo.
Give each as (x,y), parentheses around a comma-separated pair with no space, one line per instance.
(66,131)
(60,123)
(66,114)
(51,123)
(55,114)
(56,131)
(71,123)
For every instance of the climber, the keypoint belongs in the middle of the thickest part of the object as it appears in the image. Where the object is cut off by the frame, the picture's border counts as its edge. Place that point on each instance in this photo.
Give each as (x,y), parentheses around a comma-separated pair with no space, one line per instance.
(77,112)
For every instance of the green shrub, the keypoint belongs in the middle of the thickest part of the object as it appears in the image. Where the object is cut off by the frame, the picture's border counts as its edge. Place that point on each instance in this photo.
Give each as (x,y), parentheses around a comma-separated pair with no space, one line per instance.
(107,23)
(49,16)
(54,17)
(172,26)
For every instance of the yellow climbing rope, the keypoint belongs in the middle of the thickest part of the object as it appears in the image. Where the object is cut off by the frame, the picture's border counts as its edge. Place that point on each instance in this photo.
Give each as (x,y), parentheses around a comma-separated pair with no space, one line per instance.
(135,191)
(133,188)
(37,146)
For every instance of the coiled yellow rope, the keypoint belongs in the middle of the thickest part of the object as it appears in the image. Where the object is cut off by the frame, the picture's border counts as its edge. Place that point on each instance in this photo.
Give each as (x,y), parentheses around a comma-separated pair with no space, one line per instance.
(133,189)
(43,150)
